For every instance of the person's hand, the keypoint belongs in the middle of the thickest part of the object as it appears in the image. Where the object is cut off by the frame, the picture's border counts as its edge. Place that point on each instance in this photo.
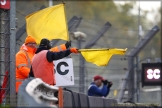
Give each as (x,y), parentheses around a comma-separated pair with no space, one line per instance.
(105,82)
(74,50)
(68,44)
(110,84)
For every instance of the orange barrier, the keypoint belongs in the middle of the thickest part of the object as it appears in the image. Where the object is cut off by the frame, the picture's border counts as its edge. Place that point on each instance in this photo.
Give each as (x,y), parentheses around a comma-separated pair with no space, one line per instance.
(60,98)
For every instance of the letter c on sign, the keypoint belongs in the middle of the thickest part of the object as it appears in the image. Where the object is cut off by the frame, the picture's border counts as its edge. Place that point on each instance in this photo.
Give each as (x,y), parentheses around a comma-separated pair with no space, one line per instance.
(59,68)
(156,74)
(3,2)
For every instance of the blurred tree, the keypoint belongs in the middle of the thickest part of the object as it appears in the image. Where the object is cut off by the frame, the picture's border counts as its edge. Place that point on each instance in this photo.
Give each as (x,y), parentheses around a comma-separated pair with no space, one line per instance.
(153,49)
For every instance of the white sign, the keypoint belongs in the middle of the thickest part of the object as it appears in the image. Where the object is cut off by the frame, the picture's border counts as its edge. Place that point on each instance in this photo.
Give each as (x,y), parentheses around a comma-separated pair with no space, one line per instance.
(64,73)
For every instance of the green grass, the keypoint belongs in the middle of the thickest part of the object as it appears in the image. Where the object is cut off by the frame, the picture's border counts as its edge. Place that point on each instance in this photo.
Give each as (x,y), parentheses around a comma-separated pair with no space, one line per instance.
(5,106)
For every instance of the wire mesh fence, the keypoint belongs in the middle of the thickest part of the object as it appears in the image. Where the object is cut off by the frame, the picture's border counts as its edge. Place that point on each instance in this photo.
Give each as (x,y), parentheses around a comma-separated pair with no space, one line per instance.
(4,54)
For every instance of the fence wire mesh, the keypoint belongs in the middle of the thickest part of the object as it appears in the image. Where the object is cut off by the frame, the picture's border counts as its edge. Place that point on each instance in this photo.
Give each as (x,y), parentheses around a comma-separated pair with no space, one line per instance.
(4,53)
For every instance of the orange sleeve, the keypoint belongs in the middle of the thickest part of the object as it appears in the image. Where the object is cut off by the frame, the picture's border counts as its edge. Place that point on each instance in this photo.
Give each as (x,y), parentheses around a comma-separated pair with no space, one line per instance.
(22,70)
(56,49)
(63,47)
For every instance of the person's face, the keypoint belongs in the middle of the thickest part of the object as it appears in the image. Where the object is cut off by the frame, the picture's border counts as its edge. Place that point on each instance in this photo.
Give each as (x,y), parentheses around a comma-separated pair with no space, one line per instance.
(32,44)
(99,82)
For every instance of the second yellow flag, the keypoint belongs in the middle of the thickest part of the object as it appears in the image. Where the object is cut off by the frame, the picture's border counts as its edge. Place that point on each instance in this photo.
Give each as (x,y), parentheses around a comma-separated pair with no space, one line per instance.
(100,57)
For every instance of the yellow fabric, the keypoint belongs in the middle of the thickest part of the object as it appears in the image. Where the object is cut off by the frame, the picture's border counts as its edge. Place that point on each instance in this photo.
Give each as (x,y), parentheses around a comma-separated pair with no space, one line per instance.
(100,57)
(48,23)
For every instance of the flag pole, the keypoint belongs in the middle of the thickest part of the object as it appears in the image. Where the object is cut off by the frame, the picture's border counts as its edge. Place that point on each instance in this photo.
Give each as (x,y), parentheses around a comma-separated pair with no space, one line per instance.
(66,22)
(102,49)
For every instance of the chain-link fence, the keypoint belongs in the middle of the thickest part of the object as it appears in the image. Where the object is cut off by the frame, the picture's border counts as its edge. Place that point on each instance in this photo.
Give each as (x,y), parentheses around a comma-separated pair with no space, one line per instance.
(4,54)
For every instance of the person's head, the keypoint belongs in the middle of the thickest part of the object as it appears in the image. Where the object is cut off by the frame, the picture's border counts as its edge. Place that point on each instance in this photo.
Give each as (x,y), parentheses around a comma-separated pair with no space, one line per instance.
(45,43)
(30,42)
(98,80)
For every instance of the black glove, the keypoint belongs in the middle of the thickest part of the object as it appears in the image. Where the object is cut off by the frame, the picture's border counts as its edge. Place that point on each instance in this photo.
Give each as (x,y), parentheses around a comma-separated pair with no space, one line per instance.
(68,44)
(105,82)
(56,94)
(109,84)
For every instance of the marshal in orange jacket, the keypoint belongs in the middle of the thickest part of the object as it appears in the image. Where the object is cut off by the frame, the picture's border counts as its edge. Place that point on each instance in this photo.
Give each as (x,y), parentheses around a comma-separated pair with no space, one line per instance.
(23,60)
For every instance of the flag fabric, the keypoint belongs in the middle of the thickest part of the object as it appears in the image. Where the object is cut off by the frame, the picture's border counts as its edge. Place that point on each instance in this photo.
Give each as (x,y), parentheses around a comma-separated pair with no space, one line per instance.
(48,23)
(100,57)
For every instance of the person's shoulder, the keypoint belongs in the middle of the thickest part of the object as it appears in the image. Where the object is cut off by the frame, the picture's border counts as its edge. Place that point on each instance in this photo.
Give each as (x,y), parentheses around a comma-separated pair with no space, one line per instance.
(20,52)
(92,86)
(49,52)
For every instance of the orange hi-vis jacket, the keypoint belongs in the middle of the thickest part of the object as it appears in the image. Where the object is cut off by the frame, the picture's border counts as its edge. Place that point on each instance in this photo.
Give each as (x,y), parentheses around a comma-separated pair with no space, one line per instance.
(23,62)
(39,60)
(46,74)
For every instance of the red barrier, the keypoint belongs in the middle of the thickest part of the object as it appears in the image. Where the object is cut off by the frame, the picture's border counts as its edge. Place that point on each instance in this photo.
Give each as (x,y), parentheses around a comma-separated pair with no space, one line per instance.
(4,85)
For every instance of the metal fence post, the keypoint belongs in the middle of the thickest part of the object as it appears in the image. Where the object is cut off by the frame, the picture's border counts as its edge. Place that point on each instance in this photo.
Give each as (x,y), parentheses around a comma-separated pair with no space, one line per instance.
(12,52)
(137,80)
(131,79)
(81,68)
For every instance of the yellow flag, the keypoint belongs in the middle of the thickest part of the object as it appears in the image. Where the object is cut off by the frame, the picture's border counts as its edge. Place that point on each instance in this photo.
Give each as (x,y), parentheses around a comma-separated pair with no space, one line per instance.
(100,57)
(48,23)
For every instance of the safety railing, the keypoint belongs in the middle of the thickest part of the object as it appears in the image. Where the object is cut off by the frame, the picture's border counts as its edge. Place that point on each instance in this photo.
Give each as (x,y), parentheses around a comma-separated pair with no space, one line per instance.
(35,93)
